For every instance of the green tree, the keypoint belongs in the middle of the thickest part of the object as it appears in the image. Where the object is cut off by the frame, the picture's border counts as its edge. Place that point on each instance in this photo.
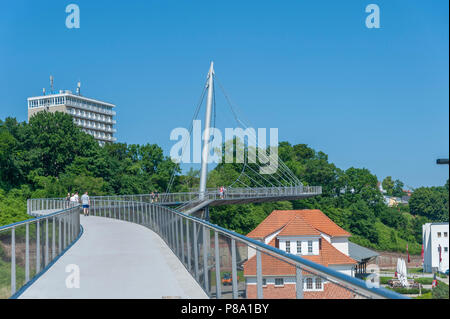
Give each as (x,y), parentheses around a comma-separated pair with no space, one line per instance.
(398,188)
(388,185)
(430,202)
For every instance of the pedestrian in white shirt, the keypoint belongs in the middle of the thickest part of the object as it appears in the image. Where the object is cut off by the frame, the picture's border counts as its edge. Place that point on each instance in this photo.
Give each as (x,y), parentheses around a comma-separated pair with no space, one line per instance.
(85,201)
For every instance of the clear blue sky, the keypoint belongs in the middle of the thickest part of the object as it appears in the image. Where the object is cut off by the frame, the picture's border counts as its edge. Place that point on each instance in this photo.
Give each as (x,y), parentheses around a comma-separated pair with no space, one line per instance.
(374,98)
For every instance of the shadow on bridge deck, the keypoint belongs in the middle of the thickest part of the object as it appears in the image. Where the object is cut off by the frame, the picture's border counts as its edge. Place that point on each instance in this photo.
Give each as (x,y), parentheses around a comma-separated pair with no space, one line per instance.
(117,259)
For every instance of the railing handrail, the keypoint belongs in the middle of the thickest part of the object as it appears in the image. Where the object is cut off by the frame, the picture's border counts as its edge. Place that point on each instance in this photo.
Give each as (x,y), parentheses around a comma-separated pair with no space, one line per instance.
(33,219)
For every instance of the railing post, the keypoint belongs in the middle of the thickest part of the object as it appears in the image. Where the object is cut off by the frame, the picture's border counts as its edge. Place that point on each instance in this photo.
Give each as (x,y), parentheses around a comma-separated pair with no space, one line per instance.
(46,242)
(182,240)
(163,223)
(172,229)
(259,289)
(27,252)
(195,251)
(53,238)
(66,231)
(13,261)
(299,282)
(217,261)
(188,244)
(59,236)
(205,231)
(153,218)
(38,247)
(177,237)
(234,269)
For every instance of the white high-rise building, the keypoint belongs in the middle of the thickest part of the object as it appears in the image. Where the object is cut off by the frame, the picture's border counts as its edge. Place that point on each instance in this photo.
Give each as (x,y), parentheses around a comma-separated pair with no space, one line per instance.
(93,116)
(435,247)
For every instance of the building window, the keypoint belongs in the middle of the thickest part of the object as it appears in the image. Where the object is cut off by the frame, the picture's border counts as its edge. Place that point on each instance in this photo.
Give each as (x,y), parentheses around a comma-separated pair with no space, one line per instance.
(288,246)
(309,283)
(310,248)
(445,234)
(299,247)
(264,282)
(318,283)
(279,282)
(439,234)
(445,249)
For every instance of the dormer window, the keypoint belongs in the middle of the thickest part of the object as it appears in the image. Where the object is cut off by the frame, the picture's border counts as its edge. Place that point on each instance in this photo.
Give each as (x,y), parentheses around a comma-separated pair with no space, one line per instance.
(310,246)
(288,246)
(299,247)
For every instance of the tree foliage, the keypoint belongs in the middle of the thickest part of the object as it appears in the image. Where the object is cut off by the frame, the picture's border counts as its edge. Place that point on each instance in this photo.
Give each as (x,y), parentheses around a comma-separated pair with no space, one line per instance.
(50,156)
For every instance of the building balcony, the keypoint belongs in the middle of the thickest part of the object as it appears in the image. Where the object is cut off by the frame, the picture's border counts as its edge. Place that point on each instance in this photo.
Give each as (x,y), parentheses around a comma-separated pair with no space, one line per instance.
(90,108)
(88,116)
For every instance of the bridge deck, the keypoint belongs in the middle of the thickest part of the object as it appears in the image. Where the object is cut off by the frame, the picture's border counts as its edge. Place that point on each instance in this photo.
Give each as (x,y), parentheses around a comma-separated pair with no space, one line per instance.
(117,259)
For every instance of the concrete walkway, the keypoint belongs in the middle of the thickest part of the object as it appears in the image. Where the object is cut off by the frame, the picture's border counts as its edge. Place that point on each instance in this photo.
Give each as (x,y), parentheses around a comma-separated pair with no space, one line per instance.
(117,259)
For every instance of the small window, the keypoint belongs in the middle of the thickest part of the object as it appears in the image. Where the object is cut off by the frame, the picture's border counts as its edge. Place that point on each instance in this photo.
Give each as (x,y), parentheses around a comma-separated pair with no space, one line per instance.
(309,283)
(445,234)
(299,247)
(439,234)
(279,282)
(288,246)
(319,283)
(310,247)
(264,282)
(445,249)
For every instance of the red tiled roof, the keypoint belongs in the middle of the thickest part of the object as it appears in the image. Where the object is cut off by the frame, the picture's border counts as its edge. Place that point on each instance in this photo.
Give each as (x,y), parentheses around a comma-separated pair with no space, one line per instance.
(314,217)
(298,227)
(271,266)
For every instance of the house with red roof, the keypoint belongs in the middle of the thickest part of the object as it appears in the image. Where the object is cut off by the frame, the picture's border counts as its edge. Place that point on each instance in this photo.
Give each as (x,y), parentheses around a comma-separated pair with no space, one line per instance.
(309,234)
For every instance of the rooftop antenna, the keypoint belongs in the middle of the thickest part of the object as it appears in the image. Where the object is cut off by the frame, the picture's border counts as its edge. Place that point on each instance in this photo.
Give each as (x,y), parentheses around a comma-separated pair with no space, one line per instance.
(51,83)
(78,88)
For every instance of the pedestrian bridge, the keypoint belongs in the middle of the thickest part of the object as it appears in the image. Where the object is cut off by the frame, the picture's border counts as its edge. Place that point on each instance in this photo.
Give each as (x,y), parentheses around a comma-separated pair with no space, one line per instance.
(147,268)
(138,249)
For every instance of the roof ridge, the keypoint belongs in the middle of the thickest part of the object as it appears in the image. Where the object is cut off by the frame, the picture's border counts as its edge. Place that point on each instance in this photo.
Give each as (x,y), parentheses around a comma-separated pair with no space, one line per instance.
(300,219)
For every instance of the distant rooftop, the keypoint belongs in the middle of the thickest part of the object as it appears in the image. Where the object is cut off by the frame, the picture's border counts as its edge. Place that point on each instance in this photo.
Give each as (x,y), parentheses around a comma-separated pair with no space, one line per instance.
(69,93)
(360,253)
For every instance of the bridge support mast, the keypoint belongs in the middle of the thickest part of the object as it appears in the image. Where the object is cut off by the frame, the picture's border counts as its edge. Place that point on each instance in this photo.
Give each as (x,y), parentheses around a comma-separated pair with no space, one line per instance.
(207,135)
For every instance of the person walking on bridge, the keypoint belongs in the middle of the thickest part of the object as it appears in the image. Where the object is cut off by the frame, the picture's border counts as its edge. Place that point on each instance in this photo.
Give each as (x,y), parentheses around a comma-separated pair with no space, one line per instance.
(85,201)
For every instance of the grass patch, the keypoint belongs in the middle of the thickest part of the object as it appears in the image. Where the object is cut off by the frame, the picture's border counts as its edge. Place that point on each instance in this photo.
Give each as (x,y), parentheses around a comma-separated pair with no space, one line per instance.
(428,295)
(409,291)
(424,280)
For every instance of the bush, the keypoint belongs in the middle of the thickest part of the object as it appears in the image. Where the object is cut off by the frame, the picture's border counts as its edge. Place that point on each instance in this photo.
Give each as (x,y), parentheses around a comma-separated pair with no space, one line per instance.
(440,291)
(409,291)
(424,280)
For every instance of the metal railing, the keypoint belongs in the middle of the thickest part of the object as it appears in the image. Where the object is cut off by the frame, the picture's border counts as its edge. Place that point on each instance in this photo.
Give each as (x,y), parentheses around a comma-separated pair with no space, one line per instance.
(44,206)
(213,194)
(229,265)
(28,247)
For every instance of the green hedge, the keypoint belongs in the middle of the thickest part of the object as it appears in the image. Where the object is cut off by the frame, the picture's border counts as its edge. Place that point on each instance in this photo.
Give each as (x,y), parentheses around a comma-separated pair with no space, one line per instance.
(409,291)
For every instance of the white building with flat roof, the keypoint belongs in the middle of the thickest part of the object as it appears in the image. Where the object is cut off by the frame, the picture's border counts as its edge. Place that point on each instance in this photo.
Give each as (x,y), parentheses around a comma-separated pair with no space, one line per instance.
(435,247)
(92,116)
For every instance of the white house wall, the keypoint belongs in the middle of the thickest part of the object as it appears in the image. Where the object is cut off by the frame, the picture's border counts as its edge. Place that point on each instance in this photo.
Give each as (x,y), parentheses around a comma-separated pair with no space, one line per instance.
(341,244)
